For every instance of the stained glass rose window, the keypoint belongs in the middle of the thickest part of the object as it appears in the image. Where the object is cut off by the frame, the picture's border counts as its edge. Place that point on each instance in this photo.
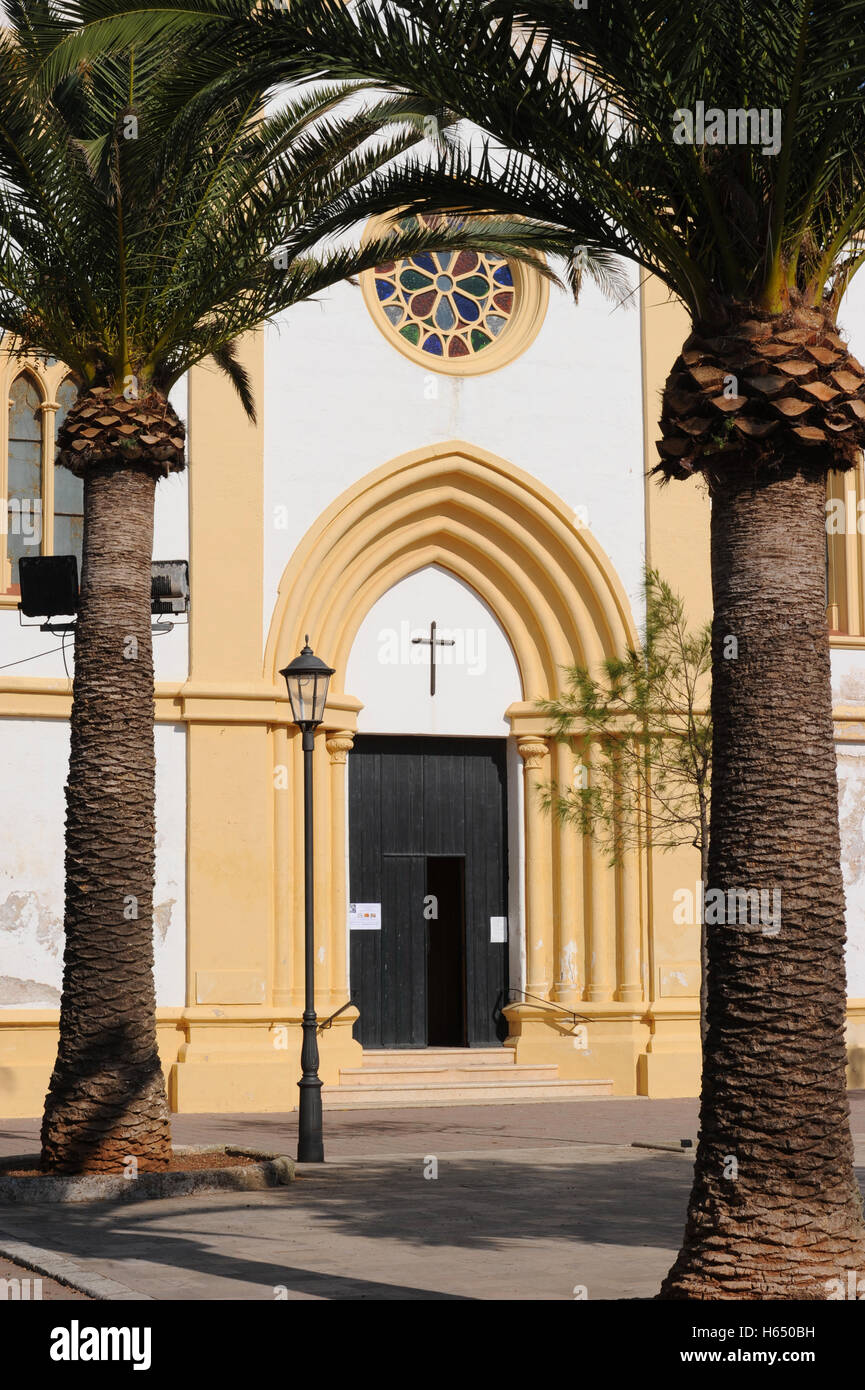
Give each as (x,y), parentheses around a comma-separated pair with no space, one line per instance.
(461,312)
(449,304)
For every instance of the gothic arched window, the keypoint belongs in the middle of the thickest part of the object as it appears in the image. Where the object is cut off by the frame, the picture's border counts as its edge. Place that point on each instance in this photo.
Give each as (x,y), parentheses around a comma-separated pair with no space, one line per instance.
(24,480)
(68,490)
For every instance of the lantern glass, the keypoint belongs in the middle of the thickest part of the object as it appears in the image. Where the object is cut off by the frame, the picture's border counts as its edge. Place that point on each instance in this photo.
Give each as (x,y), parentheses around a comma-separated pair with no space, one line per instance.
(307,679)
(319,696)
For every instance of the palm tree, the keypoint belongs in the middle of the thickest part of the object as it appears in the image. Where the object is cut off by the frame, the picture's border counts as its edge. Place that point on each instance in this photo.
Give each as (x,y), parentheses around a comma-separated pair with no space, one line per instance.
(142,231)
(719,148)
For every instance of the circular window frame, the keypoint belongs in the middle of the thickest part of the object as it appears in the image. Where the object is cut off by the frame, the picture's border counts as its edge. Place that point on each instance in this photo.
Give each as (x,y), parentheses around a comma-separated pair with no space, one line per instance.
(531,298)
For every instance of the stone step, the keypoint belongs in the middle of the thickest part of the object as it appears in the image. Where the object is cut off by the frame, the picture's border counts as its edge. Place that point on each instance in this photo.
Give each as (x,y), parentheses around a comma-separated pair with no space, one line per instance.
(460,1093)
(418,1075)
(409,1058)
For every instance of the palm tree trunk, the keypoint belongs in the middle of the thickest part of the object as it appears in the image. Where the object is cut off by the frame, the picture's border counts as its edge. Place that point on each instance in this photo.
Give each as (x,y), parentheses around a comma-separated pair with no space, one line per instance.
(106,1102)
(704,949)
(774,1211)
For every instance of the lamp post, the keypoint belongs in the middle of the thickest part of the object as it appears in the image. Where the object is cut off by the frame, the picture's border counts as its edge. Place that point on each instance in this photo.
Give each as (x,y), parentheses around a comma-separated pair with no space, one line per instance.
(307,679)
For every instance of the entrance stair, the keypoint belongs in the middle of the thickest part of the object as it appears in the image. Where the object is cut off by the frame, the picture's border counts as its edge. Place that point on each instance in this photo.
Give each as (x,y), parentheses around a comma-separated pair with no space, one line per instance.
(393,1078)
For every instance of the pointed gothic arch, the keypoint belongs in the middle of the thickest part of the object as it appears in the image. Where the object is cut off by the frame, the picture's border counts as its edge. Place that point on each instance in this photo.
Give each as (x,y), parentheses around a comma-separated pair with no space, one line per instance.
(510,538)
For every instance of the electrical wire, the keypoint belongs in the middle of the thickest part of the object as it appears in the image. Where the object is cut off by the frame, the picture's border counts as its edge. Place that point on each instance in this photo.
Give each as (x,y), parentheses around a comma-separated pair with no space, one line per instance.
(62,648)
(25,659)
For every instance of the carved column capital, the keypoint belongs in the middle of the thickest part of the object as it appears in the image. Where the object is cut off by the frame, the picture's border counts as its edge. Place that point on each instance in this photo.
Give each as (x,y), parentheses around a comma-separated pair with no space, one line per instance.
(532,750)
(339,745)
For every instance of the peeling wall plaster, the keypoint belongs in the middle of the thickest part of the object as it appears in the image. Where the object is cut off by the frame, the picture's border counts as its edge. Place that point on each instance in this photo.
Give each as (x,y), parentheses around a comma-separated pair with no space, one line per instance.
(34,756)
(848,677)
(31,946)
(851,797)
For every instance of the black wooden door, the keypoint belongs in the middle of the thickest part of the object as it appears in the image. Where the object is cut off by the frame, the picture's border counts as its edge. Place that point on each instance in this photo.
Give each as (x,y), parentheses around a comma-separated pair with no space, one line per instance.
(413,801)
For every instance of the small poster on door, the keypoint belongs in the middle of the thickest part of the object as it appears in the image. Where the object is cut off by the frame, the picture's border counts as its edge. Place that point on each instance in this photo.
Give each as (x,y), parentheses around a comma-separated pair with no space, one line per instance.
(364,916)
(498,929)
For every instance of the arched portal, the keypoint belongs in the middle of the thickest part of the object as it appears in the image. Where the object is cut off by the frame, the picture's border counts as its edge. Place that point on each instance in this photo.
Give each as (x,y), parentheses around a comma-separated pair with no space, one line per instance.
(557,598)
(504,533)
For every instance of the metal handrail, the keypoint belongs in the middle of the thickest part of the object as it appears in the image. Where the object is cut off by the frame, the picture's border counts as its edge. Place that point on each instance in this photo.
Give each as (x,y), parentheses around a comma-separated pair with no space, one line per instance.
(549,1004)
(328,1021)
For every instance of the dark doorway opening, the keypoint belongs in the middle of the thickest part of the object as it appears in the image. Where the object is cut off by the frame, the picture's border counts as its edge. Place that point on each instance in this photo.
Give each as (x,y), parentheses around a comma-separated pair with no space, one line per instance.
(429,816)
(446,950)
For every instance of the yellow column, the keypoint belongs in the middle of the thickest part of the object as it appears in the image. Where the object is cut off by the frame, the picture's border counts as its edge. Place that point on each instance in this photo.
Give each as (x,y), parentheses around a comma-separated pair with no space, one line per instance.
(294,852)
(322,871)
(339,745)
(283,835)
(569,919)
(630,981)
(538,858)
(230,763)
(600,936)
(852,486)
(49,410)
(628,917)
(600,946)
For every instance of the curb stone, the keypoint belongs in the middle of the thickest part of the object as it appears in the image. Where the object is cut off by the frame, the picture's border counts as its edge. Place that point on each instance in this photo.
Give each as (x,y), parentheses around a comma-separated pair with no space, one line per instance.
(56,1266)
(674,1146)
(272,1170)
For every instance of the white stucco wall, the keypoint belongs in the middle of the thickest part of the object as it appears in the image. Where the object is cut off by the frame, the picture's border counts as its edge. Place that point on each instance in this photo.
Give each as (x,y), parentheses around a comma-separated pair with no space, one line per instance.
(476,679)
(34,756)
(851,797)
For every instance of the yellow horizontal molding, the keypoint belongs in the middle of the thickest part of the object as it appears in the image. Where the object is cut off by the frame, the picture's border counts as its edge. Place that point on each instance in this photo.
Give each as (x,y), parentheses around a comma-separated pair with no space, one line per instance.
(227,711)
(35,685)
(53,700)
(229,690)
(612,1011)
(178,703)
(29,697)
(211,1014)
(671,1010)
(526,719)
(49,1018)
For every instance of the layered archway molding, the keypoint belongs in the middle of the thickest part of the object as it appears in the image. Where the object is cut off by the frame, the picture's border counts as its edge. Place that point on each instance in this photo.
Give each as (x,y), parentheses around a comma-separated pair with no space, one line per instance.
(553,590)
(505,534)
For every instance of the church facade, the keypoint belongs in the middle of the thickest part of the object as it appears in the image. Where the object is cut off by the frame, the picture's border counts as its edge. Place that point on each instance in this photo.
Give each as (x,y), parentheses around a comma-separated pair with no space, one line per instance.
(447,491)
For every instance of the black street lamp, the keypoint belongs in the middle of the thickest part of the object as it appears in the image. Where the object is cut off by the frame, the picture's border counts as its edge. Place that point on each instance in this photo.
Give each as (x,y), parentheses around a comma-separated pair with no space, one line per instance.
(307,679)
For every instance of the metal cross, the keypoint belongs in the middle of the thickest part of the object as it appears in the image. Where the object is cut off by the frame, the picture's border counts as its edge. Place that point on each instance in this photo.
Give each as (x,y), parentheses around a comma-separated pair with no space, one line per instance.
(432,642)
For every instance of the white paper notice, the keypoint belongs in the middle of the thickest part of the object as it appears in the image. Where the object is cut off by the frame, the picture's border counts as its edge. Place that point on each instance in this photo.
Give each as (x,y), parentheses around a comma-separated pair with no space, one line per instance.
(364,916)
(498,929)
